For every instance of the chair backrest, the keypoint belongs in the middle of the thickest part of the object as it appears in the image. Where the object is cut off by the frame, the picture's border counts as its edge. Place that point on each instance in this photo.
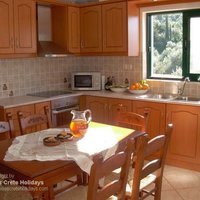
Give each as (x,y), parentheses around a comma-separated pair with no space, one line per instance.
(34,122)
(143,167)
(132,120)
(7,128)
(103,168)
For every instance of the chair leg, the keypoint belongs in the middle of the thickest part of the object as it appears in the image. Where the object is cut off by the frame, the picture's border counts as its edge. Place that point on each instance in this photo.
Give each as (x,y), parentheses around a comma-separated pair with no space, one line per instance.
(158,187)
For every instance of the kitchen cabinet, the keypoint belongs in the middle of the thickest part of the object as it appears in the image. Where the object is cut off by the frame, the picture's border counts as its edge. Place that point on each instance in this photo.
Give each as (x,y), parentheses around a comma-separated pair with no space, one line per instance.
(114,20)
(26,110)
(66,27)
(156,115)
(74,29)
(104,110)
(184,149)
(91,30)
(99,31)
(17,27)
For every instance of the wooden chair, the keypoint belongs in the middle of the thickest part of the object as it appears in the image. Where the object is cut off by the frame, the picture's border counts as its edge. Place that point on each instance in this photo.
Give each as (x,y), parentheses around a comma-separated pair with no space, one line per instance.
(34,122)
(100,170)
(147,176)
(7,128)
(132,120)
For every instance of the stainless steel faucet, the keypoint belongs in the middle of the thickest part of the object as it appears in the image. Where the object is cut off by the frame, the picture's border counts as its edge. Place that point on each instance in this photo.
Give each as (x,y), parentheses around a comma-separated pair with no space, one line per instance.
(181,90)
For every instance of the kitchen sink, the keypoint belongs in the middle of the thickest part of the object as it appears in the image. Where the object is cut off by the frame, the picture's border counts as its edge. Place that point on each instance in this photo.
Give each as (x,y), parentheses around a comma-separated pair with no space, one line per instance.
(169,97)
(185,98)
(157,96)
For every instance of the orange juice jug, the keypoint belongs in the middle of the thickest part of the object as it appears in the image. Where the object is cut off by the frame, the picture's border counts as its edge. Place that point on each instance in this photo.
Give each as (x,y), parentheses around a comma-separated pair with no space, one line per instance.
(80,122)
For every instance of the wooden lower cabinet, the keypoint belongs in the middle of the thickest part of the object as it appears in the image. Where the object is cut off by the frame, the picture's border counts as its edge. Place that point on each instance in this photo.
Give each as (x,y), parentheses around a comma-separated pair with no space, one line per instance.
(26,110)
(156,115)
(184,150)
(104,110)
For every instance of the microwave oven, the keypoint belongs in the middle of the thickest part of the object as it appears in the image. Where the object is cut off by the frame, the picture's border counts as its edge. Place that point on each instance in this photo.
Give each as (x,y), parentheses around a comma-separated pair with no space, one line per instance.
(86,81)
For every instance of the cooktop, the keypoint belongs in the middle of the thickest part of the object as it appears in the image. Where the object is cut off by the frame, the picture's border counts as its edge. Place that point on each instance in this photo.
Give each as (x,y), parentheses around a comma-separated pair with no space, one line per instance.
(49,94)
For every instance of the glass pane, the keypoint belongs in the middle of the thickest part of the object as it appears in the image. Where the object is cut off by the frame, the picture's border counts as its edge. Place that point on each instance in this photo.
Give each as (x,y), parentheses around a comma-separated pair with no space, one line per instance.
(166,44)
(194,45)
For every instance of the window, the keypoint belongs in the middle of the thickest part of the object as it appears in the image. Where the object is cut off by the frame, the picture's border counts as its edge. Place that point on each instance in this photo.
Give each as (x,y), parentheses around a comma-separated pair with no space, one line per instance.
(173,45)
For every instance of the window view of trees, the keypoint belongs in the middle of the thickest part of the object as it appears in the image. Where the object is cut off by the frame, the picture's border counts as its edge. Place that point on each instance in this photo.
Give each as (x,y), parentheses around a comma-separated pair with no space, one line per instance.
(166,45)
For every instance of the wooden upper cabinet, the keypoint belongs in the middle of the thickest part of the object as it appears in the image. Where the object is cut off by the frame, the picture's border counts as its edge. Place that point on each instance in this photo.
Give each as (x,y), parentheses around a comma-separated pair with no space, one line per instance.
(91,32)
(114,27)
(66,28)
(6,27)
(74,29)
(17,26)
(25,26)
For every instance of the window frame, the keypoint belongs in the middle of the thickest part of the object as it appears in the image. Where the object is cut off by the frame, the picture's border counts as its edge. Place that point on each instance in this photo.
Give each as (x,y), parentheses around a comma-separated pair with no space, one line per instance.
(187,14)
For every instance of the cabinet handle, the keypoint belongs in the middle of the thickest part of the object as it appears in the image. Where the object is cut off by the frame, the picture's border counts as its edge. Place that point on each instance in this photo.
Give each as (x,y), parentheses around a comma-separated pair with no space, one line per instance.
(17,43)
(146,111)
(120,105)
(82,44)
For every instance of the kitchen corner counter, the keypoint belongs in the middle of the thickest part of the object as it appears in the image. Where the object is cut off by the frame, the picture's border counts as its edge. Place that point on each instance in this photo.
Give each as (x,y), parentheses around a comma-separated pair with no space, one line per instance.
(20,101)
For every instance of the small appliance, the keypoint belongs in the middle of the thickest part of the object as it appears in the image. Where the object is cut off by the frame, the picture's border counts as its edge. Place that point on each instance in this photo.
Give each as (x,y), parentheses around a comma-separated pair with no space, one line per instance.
(86,81)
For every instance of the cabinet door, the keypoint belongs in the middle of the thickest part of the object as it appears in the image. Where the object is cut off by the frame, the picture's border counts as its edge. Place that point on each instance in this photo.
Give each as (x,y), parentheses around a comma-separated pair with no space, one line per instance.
(116,105)
(6,27)
(59,26)
(156,116)
(25,26)
(91,36)
(26,110)
(74,29)
(185,139)
(99,108)
(115,27)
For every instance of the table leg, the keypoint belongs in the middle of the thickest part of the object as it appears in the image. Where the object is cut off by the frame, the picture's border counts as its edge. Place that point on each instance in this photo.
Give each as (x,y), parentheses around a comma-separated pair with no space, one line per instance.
(85,178)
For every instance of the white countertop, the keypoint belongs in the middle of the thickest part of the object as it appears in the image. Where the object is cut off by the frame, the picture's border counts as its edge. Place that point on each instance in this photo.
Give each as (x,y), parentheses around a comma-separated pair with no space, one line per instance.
(25,100)
(130,96)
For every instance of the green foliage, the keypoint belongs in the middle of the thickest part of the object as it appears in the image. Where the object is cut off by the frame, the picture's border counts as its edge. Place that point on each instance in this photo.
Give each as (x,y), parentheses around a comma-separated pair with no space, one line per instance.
(167,43)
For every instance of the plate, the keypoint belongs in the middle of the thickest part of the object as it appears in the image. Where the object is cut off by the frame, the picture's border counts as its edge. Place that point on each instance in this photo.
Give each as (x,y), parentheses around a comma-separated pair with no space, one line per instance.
(64,136)
(118,89)
(51,141)
(138,91)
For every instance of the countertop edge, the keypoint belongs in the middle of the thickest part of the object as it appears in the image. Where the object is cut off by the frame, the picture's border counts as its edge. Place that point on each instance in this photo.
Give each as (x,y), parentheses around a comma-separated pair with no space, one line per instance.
(15,101)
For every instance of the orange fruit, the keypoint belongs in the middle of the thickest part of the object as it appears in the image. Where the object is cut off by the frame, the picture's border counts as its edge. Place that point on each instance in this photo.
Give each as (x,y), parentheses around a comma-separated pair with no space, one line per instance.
(132,87)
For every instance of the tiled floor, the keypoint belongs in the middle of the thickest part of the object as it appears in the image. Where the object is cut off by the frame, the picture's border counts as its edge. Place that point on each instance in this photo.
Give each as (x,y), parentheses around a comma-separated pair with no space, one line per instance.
(178,184)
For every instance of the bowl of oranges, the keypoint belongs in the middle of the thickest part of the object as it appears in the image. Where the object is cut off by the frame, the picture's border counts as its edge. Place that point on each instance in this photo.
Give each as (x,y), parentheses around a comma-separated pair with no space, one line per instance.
(140,87)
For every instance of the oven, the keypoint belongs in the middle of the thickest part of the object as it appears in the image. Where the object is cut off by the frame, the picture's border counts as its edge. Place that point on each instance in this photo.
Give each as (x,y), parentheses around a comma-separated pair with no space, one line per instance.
(61,110)
(62,102)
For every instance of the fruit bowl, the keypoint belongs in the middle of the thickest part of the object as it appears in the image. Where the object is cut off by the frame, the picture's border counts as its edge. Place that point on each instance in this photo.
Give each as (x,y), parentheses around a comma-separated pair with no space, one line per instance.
(138,91)
(118,88)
